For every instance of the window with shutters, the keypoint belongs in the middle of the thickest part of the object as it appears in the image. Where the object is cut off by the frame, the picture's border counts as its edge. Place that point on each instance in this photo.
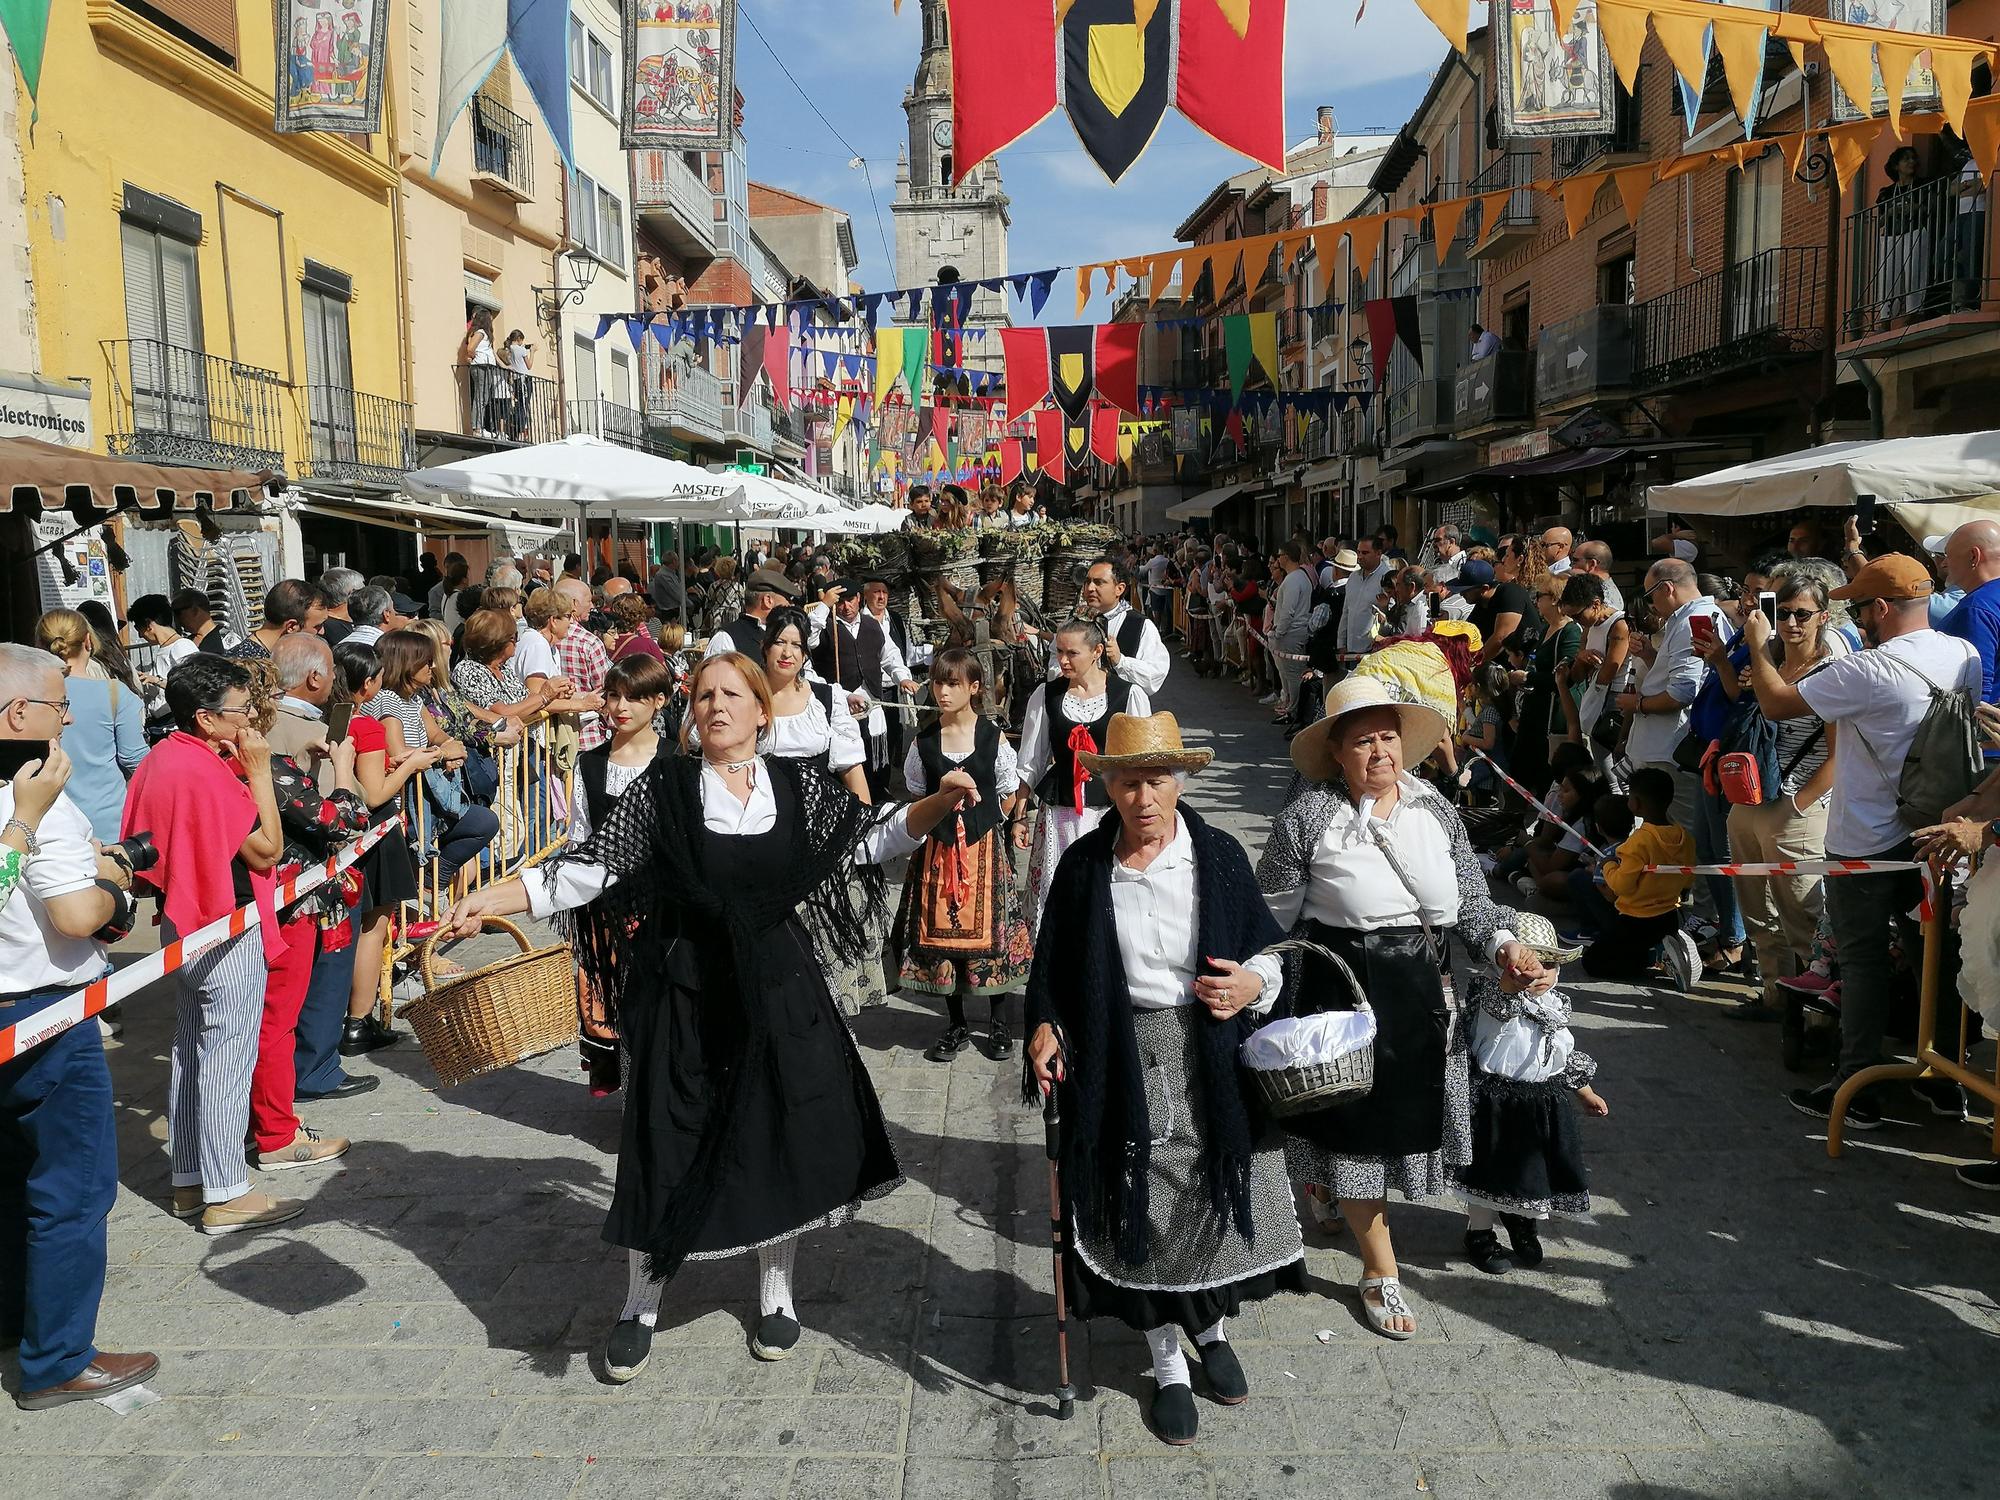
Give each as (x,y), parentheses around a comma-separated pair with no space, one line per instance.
(586,371)
(621,377)
(209,25)
(329,379)
(163,322)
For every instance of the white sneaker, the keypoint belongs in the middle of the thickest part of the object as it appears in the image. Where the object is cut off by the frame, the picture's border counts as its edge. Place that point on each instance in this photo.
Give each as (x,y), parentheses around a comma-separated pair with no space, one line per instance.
(1525,884)
(1268,698)
(1683,958)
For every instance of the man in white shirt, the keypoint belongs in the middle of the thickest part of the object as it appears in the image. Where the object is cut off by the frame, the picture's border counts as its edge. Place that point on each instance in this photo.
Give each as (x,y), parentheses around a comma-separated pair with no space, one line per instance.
(858,653)
(1657,709)
(1873,702)
(1357,609)
(1448,550)
(1132,645)
(1291,625)
(59,1173)
(1556,543)
(1484,342)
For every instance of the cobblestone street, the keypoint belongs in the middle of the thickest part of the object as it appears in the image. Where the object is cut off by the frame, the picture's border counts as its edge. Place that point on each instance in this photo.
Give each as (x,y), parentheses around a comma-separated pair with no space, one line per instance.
(1745,1318)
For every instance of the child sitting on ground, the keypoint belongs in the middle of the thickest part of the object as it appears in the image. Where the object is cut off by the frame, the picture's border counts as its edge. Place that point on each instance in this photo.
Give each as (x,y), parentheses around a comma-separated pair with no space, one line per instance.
(1636,913)
(1527,1163)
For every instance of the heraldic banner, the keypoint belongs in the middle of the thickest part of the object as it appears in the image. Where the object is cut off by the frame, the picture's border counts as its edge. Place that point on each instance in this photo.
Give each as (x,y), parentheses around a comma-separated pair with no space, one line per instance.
(1552,81)
(330,60)
(680,84)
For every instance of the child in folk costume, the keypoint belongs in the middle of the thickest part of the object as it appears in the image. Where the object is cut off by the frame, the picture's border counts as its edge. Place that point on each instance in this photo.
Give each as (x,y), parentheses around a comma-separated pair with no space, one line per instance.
(1527,1163)
(1066,716)
(960,929)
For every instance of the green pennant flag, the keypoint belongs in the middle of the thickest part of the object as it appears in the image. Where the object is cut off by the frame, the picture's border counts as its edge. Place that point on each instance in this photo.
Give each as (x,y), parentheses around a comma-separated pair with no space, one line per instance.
(26,23)
(1236,345)
(916,350)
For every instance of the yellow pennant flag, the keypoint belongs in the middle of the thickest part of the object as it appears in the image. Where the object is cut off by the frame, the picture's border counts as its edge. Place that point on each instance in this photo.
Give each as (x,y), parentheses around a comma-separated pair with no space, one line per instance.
(1364,240)
(1680,36)
(1578,194)
(1849,145)
(1624,33)
(1982,134)
(843,414)
(1633,185)
(1853,63)
(1444,222)
(1264,343)
(1897,59)
(1953,72)
(888,361)
(1741,44)
(1449,17)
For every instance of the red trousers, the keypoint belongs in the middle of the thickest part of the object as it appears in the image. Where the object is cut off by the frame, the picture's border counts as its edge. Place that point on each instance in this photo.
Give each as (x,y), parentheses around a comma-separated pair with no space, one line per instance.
(276,1075)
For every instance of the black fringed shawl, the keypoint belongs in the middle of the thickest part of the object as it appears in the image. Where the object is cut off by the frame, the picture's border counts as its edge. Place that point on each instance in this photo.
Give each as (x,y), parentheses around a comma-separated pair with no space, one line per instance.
(1078,983)
(653,844)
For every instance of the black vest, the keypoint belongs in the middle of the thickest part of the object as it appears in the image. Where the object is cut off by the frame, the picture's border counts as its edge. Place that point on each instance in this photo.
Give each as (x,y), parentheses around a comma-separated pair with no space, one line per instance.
(1131,633)
(859,660)
(748,634)
(983,765)
(593,769)
(898,632)
(1055,787)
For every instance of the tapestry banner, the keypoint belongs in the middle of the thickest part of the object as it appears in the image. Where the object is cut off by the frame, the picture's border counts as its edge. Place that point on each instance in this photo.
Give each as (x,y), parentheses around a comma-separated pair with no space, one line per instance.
(680,74)
(330,62)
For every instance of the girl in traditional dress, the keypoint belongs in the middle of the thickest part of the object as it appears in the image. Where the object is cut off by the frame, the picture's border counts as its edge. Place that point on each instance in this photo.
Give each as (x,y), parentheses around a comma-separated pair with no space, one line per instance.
(1064,716)
(960,928)
(749,1116)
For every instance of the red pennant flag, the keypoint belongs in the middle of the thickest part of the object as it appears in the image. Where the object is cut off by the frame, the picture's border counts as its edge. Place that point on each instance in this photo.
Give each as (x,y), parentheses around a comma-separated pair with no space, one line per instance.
(1117,375)
(1104,434)
(1026,355)
(940,428)
(1381,314)
(1049,443)
(1233,87)
(1011,460)
(1232,428)
(778,364)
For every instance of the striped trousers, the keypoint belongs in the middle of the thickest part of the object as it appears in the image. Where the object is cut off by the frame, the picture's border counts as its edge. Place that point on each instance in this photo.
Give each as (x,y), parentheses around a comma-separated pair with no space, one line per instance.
(217,1016)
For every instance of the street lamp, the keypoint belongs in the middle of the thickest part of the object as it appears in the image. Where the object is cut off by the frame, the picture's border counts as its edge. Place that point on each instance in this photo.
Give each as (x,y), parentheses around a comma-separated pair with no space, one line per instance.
(551,300)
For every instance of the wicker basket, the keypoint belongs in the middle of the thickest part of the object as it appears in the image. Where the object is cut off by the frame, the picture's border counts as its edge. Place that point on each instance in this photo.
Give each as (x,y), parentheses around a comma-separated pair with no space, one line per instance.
(494,1017)
(1299,1091)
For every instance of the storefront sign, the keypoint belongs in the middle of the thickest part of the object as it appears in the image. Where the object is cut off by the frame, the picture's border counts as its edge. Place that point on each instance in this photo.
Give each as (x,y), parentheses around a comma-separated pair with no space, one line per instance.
(1518,450)
(55,412)
(85,553)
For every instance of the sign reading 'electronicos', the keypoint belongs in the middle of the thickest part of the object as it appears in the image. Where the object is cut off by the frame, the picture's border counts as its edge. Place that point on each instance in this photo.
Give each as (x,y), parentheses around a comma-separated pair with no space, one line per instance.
(37,408)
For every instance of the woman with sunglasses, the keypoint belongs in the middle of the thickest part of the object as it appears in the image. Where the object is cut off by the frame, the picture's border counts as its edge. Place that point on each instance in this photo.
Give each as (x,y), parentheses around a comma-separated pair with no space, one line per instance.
(1781,912)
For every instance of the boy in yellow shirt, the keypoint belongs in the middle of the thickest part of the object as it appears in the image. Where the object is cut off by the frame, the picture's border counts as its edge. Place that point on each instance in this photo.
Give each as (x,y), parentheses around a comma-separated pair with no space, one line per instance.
(1643,922)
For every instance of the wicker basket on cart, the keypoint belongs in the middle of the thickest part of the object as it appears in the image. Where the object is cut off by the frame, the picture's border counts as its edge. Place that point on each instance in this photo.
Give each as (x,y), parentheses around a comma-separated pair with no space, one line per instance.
(498,1015)
(1060,588)
(1314,1086)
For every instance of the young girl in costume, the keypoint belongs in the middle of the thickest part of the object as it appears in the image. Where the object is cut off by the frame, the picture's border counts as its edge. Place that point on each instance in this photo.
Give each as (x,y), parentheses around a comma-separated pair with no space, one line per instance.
(960,930)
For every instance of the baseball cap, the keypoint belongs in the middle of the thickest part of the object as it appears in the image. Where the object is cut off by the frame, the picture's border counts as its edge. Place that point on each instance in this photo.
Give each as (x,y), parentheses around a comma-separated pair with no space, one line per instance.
(771,581)
(403,604)
(1894,575)
(1936,543)
(1475,573)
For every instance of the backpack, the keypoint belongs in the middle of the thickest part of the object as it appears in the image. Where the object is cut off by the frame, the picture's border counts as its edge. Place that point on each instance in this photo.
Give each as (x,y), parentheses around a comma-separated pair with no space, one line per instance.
(1944,762)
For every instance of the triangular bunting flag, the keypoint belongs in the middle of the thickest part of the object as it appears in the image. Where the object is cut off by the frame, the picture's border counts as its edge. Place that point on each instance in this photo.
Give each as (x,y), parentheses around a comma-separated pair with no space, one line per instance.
(1624,33)
(749,360)
(1449,17)
(1025,357)
(778,367)
(1683,38)
(1049,443)
(915,342)
(1633,185)
(1853,64)
(1741,44)
(1953,72)
(1364,240)
(1896,59)
(888,360)
(1578,194)
(1264,344)
(1444,222)
(1104,434)
(1117,364)
(1236,350)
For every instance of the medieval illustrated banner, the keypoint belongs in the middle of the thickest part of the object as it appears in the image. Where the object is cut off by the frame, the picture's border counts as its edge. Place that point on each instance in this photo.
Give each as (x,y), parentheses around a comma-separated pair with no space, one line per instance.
(330,58)
(1920,90)
(1552,82)
(680,84)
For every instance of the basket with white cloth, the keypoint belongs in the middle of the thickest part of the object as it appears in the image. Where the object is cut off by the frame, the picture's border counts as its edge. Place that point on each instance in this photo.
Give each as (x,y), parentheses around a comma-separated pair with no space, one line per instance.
(1305,1063)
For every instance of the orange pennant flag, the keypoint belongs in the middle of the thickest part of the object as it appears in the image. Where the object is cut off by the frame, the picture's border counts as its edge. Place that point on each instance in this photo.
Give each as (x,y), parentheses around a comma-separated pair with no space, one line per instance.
(1982,135)
(1850,148)
(1083,288)
(1444,223)
(1795,150)
(1624,33)
(1681,37)
(1578,194)
(1853,64)
(1449,17)
(1953,72)
(1562,10)
(1326,248)
(1897,58)
(1364,240)
(1741,44)
(1491,207)
(1633,185)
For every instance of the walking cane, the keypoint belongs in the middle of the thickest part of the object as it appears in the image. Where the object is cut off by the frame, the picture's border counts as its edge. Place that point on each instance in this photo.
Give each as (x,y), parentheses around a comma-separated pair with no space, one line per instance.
(1052,1122)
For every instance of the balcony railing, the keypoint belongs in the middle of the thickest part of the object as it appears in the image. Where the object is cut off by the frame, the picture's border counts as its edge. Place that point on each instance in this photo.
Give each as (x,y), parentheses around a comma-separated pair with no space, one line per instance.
(624,425)
(1576,153)
(355,438)
(506,406)
(1513,171)
(788,430)
(1764,308)
(685,399)
(185,406)
(500,153)
(1920,255)
(1582,355)
(1316,440)
(749,424)
(675,202)
(1419,409)
(1498,388)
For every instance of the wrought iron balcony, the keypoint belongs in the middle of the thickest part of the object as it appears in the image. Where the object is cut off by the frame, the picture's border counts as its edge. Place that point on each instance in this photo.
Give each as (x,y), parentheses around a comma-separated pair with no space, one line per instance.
(187,407)
(1770,307)
(358,439)
(501,158)
(1498,388)
(1418,410)
(788,432)
(1578,153)
(675,203)
(1515,221)
(684,399)
(623,425)
(748,424)
(1922,257)
(506,406)
(1580,356)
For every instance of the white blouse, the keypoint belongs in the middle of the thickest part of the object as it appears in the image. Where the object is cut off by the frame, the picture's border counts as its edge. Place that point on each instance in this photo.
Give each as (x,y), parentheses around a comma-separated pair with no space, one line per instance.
(577,884)
(1006,769)
(1354,885)
(811,732)
(616,779)
(1154,912)
(1036,755)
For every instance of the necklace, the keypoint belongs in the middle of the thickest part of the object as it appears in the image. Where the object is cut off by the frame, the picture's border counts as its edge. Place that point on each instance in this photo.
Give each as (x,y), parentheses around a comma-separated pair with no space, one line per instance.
(734,765)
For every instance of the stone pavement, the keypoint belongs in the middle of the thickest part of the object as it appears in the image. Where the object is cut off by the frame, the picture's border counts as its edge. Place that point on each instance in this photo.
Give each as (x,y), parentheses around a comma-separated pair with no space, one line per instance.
(1745,1318)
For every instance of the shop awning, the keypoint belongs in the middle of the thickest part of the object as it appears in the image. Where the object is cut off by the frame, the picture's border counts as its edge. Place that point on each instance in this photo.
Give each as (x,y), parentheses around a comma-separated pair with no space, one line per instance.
(49,475)
(1959,468)
(1204,505)
(1320,475)
(405,515)
(1548,466)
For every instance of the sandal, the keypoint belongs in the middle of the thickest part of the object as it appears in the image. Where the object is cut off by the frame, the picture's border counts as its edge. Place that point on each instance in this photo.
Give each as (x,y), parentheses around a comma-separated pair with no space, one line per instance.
(1326,1215)
(1392,1306)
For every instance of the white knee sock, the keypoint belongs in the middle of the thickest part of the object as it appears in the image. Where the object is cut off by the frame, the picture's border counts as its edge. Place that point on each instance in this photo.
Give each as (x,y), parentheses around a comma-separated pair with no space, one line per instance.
(774,1277)
(642,1293)
(1219,1334)
(1477,1219)
(1169,1364)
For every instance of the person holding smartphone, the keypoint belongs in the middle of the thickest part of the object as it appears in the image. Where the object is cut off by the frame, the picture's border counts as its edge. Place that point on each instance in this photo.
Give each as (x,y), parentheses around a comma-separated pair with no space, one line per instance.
(1657,708)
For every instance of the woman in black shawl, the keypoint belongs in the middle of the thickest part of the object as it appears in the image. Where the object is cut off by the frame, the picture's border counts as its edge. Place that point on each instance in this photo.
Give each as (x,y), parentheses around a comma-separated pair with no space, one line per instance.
(749,1116)
(1149,973)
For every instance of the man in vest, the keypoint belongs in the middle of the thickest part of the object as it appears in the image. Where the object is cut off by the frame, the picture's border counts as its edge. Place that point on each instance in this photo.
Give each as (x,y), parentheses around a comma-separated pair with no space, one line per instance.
(914,653)
(768,589)
(1132,645)
(856,653)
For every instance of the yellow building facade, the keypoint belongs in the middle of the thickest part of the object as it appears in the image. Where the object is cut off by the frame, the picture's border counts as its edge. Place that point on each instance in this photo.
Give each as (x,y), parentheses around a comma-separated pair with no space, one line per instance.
(234,296)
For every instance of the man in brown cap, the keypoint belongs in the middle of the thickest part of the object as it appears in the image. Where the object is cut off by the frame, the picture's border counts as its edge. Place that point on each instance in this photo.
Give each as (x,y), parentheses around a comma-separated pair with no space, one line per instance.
(1873,702)
(768,588)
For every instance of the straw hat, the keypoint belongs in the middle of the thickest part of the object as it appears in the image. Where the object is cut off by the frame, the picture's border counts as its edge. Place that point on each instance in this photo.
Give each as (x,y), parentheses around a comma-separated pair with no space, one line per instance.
(1424,728)
(1149,740)
(1346,560)
(1538,935)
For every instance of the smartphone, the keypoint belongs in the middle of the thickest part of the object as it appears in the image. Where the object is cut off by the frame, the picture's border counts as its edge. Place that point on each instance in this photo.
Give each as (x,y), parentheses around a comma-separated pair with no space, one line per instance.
(1864,514)
(1702,628)
(1767,604)
(338,717)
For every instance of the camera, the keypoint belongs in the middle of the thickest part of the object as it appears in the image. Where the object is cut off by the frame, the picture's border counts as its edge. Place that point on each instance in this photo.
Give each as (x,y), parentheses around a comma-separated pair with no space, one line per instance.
(137,854)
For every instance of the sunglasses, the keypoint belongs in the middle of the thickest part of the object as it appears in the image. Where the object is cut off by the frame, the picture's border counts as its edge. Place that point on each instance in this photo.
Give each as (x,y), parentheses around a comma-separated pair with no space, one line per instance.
(1796,616)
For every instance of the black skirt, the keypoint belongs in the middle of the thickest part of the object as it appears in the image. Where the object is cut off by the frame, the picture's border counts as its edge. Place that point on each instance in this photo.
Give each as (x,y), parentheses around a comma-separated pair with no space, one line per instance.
(1091,1296)
(388,871)
(1526,1155)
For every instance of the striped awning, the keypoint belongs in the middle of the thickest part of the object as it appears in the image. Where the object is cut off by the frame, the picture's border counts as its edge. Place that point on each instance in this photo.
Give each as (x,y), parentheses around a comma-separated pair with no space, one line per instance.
(51,475)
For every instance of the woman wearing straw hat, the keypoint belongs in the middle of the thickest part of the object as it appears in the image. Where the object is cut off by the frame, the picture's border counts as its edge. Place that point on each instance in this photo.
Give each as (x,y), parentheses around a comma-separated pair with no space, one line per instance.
(1369,862)
(1149,973)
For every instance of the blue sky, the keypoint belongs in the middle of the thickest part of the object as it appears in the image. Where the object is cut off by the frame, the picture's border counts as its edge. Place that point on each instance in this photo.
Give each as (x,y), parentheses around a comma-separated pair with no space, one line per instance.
(854,58)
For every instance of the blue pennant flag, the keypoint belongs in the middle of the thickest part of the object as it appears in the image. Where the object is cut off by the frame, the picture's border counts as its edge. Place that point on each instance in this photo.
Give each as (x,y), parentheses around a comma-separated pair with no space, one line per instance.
(635,330)
(1039,285)
(604,322)
(916,296)
(663,335)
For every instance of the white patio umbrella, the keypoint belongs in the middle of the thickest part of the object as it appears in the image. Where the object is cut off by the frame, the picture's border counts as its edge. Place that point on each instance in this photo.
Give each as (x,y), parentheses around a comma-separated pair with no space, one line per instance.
(777,500)
(863,520)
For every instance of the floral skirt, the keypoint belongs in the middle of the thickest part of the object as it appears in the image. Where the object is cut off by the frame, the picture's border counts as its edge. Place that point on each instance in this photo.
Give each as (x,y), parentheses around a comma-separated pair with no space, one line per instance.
(960,928)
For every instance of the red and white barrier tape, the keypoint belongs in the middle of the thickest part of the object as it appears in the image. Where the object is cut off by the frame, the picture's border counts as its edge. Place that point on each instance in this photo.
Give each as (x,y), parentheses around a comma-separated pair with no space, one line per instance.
(1252,631)
(1540,806)
(73,1009)
(1794,867)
